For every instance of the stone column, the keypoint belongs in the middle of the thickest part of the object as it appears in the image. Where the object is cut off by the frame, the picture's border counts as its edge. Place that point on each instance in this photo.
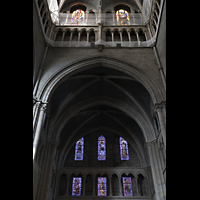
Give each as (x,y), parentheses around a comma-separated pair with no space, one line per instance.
(149,31)
(145,33)
(38,128)
(114,18)
(35,111)
(67,21)
(94,185)
(51,147)
(120,186)
(83,181)
(137,189)
(100,29)
(120,33)
(158,109)
(88,35)
(158,180)
(71,34)
(112,34)
(110,183)
(67,189)
(64,31)
(129,35)
(79,35)
(138,39)
(86,17)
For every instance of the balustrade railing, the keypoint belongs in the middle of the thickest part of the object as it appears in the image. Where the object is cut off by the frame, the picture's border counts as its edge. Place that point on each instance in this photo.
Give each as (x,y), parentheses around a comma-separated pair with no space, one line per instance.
(108,19)
(101,42)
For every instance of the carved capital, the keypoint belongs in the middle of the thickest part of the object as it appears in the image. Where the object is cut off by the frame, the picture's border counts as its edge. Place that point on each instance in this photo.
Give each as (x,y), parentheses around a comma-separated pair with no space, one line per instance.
(159,106)
(43,106)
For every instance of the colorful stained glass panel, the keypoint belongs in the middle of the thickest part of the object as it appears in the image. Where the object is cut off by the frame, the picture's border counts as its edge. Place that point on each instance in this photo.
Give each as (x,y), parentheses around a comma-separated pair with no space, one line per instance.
(76,186)
(122,17)
(102,186)
(127,186)
(123,149)
(79,149)
(101,148)
(78,16)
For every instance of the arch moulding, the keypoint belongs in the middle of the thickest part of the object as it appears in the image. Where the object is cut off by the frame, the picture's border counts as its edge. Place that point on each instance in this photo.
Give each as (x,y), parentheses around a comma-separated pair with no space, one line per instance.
(68,70)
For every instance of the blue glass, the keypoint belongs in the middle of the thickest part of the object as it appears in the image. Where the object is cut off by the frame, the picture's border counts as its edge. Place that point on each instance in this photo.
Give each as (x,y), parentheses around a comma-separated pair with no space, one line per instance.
(101,148)
(79,149)
(76,186)
(102,186)
(127,186)
(123,149)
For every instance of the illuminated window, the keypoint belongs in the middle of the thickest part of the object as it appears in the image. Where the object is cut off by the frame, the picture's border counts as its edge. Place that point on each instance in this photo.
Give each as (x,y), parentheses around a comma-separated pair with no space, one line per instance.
(76,186)
(127,186)
(101,148)
(102,186)
(78,16)
(123,149)
(79,149)
(122,17)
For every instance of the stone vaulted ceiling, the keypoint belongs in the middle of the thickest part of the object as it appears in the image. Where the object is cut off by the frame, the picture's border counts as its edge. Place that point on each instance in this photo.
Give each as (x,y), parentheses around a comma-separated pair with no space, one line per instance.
(95,100)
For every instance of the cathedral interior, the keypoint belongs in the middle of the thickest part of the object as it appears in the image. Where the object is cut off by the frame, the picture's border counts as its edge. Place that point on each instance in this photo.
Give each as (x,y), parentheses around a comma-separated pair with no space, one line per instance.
(99,99)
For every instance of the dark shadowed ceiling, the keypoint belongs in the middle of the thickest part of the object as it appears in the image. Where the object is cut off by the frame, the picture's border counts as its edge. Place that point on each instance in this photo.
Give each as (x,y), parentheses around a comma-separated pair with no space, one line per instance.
(90,101)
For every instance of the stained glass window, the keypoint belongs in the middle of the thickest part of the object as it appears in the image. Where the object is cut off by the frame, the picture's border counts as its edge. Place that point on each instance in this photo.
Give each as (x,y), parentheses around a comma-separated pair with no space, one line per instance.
(78,16)
(79,149)
(102,186)
(123,149)
(122,17)
(127,186)
(76,186)
(101,148)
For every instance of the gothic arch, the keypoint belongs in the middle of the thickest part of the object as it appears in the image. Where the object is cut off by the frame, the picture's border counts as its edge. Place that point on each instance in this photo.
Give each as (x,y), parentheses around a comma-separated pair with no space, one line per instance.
(54,80)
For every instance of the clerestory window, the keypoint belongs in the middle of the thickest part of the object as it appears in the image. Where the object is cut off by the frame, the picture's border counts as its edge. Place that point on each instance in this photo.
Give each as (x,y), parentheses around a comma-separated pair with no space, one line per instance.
(122,17)
(123,149)
(78,16)
(79,149)
(101,148)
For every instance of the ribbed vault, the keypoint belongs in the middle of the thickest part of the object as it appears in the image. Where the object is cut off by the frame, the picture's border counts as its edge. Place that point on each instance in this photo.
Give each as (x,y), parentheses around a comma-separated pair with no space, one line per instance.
(99,99)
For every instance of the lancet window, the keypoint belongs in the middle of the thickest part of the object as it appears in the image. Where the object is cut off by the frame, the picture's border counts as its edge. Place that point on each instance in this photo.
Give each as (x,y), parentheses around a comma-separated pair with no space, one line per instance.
(101,148)
(76,186)
(102,186)
(127,186)
(79,149)
(123,149)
